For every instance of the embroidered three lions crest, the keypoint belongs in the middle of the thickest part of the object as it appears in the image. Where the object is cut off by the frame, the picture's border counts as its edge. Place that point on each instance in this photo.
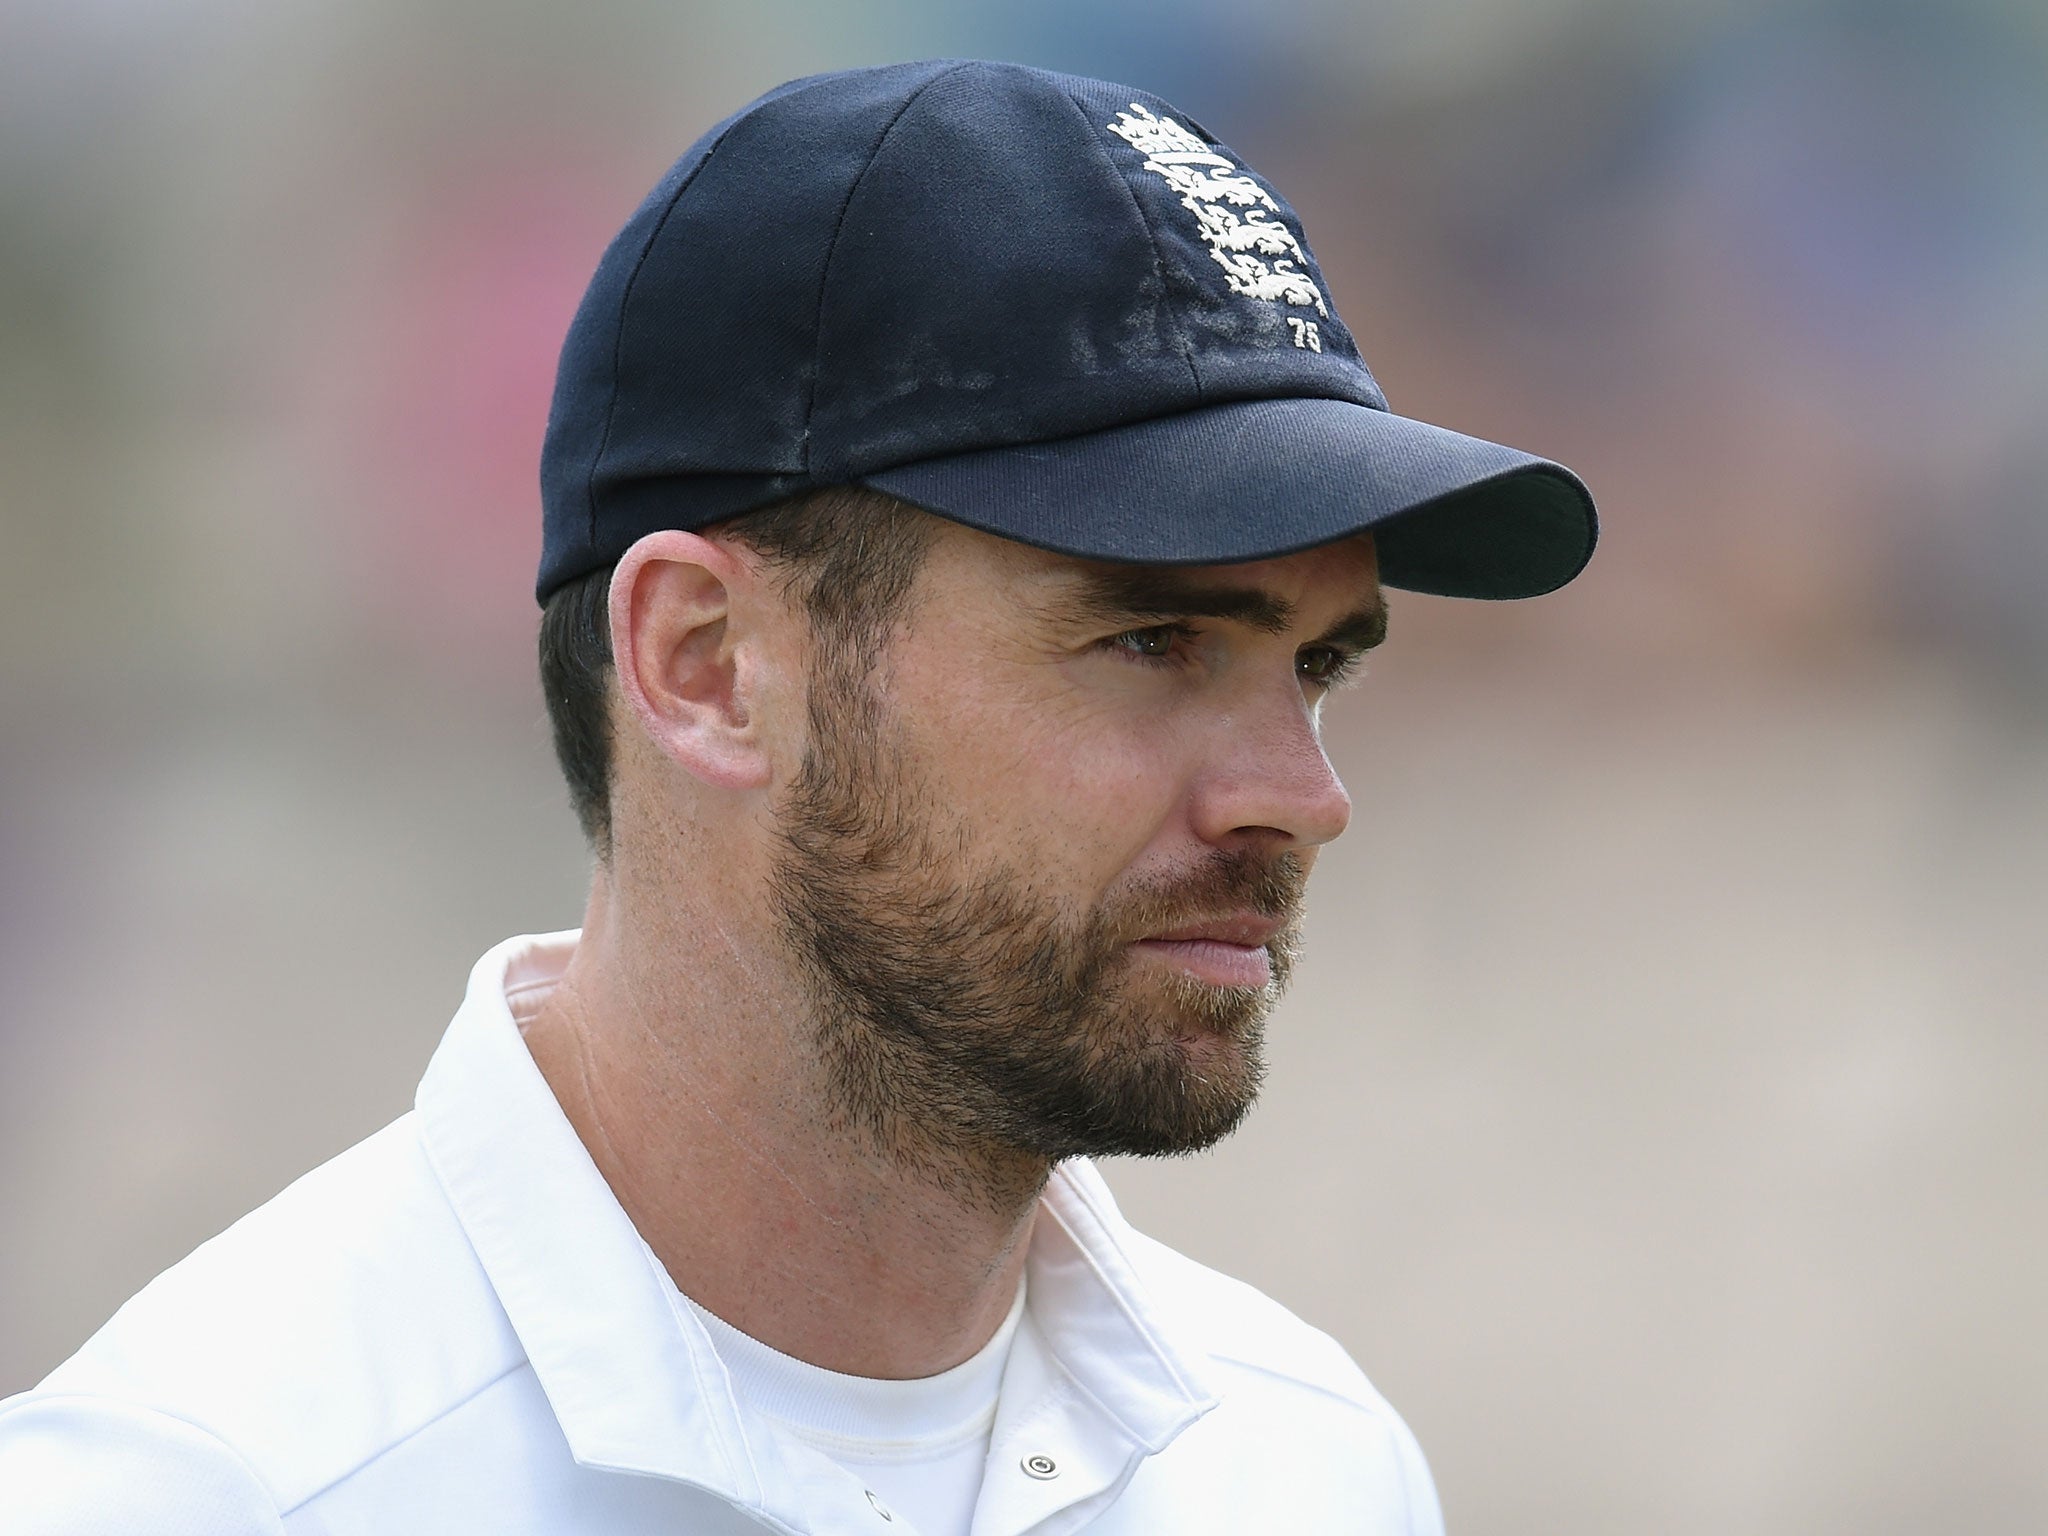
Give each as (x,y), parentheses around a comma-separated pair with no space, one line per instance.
(1259,255)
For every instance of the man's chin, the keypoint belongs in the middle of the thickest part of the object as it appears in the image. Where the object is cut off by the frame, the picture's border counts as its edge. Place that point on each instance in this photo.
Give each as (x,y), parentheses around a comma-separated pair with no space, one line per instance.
(1209,1042)
(1217,1096)
(1227,1058)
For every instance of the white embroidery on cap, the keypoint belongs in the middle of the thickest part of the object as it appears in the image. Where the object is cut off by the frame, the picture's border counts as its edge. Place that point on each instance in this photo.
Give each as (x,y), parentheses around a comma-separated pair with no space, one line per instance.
(1213,188)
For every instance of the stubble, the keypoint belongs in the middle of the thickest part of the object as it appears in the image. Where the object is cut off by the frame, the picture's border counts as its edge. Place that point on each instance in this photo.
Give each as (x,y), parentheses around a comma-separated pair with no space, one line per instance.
(978,1028)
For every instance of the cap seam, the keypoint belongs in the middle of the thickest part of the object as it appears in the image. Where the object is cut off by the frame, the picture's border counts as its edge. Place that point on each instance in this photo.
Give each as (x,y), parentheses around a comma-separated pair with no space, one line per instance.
(611,408)
(1180,330)
(832,249)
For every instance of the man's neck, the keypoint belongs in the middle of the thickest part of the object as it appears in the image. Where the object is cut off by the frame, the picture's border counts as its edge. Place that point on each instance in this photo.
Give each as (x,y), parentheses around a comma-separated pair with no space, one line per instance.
(686,1070)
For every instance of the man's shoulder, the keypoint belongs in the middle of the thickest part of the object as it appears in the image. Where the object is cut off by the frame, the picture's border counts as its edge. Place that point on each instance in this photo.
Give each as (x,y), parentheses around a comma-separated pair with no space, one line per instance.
(324,1327)
(1236,1325)
(1291,1401)
(1244,1330)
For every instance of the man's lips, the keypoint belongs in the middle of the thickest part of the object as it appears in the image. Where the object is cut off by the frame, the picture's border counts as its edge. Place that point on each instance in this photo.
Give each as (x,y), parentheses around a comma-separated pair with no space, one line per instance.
(1246,928)
(1222,951)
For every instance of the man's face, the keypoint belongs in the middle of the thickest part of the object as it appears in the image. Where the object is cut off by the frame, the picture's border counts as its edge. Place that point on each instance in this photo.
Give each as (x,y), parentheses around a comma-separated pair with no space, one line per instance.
(1042,867)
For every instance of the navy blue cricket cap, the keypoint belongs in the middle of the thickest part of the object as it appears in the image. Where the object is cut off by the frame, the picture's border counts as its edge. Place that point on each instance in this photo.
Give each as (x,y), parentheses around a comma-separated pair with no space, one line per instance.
(1050,308)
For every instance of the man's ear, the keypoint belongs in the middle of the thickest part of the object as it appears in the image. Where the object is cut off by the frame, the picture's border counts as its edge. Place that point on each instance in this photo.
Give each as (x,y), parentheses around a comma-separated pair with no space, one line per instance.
(685,662)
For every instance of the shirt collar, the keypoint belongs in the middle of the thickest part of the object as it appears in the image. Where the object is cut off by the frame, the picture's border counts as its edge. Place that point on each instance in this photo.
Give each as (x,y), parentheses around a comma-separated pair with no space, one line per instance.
(635,1381)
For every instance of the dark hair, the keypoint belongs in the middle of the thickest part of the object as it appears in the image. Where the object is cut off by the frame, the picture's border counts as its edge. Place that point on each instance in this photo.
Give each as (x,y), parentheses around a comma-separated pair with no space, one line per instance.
(850,555)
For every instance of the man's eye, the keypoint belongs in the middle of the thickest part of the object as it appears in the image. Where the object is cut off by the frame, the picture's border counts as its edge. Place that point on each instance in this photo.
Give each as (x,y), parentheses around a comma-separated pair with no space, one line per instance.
(1153,644)
(1323,665)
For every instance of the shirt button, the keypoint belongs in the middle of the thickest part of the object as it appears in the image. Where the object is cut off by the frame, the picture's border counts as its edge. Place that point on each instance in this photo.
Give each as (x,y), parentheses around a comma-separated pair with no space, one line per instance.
(880,1508)
(1040,1466)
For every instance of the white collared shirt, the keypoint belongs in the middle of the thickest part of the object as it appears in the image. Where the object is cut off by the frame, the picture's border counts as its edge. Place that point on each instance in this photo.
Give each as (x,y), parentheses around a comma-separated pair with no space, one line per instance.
(917,1447)
(453,1327)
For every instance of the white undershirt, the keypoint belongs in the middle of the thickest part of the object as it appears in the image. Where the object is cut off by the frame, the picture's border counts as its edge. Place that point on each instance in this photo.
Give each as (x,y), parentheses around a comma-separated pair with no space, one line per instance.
(917,1447)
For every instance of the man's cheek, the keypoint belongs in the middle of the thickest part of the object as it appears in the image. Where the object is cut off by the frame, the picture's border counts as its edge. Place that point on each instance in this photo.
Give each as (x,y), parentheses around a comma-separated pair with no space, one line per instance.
(1070,752)
(1099,806)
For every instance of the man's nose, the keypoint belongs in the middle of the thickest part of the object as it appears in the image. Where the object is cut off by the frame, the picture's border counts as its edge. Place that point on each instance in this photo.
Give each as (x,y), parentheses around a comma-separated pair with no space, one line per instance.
(1271,780)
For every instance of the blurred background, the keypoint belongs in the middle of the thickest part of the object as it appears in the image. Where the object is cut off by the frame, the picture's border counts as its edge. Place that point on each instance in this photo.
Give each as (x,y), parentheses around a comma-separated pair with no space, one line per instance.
(1660,1117)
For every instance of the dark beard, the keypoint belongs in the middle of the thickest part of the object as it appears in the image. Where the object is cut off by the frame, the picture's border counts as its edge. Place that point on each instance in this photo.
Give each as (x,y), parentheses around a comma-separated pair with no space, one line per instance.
(969,1025)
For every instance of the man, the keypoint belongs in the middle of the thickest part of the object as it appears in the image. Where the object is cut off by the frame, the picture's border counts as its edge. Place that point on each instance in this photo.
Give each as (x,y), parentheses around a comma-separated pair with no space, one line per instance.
(960,497)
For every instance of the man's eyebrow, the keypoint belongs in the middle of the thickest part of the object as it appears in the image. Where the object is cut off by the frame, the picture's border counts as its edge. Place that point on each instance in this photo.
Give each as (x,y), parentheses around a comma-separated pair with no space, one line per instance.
(1140,594)
(1120,596)
(1360,630)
